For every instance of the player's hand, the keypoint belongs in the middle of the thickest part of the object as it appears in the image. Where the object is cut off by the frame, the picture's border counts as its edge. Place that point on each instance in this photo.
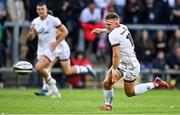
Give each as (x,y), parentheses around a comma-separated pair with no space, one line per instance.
(32,32)
(114,77)
(32,28)
(96,30)
(53,46)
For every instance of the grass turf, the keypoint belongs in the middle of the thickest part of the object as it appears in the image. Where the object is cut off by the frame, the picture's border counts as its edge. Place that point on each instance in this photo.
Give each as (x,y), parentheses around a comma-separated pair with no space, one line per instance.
(14,101)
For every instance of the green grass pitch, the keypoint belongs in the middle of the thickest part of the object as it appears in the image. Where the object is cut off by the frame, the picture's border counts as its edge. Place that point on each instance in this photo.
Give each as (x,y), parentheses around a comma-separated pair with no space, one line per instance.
(14,101)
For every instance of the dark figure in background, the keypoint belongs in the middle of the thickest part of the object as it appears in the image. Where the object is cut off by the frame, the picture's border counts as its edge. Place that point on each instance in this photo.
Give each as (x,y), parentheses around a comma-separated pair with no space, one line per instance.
(61,10)
(159,62)
(174,59)
(173,62)
(132,12)
(145,49)
(174,40)
(150,12)
(3,38)
(164,11)
(175,13)
(3,47)
(160,42)
(3,11)
(76,6)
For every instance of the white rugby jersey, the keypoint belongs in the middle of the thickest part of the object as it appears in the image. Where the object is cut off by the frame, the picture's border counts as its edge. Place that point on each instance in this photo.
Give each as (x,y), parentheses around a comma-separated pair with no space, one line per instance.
(46,31)
(121,36)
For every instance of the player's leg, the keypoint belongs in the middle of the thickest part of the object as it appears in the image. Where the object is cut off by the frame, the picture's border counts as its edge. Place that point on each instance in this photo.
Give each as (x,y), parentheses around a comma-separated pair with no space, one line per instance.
(44,91)
(40,67)
(108,91)
(42,63)
(50,66)
(48,80)
(130,76)
(48,70)
(131,89)
(52,88)
(69,70)
(76,69)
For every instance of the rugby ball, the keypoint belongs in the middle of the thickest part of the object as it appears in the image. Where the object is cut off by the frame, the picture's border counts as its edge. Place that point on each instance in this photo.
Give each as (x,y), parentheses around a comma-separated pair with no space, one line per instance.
(22,67)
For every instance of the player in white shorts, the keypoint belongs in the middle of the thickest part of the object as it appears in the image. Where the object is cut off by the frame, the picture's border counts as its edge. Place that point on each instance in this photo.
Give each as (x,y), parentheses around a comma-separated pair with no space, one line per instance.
(62,54)
(124,62)
(45,27)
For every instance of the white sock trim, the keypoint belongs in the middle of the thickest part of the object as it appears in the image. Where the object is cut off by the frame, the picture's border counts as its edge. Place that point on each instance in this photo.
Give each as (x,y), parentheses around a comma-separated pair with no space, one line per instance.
(108,96)
(81,69)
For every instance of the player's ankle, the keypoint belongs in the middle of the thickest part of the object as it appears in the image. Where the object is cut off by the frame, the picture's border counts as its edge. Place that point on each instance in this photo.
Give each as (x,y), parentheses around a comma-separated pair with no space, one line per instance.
(51,81)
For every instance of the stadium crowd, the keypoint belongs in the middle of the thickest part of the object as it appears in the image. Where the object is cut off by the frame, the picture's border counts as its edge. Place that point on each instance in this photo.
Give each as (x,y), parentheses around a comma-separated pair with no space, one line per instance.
(158,49)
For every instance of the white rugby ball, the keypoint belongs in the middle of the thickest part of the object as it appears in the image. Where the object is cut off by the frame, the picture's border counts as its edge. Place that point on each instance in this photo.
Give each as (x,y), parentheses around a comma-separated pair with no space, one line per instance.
(22,67)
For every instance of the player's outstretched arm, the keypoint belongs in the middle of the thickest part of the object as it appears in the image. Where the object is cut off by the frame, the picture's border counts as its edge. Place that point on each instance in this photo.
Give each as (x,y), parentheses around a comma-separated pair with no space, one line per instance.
(99,30)
(32,33)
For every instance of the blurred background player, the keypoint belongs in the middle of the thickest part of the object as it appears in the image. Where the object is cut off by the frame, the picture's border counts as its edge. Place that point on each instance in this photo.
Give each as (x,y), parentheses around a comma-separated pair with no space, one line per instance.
(45,27)
(62,54)
(124,62)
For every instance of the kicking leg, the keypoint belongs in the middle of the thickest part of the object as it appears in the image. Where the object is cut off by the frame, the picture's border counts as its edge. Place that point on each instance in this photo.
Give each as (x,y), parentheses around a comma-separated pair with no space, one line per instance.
(132,90)
(68,69)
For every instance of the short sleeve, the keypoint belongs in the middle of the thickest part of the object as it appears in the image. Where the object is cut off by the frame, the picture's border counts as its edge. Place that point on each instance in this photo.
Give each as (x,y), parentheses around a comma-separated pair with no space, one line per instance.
(33,22)
(56,22)
(83,16)
(114,38)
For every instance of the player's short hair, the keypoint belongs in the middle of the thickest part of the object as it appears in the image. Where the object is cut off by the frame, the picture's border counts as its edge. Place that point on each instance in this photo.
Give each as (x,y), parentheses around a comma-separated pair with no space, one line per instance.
(112,15)
(90,2)
(40,4)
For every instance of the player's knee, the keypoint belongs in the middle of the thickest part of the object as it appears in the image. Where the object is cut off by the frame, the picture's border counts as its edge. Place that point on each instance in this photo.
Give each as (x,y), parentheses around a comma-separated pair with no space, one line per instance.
(106,83)
(129,93)
(38,68)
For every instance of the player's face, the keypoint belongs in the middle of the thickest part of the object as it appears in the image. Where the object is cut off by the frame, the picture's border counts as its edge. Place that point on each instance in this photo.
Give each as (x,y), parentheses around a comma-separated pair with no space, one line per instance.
(42,10)
(111,24)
